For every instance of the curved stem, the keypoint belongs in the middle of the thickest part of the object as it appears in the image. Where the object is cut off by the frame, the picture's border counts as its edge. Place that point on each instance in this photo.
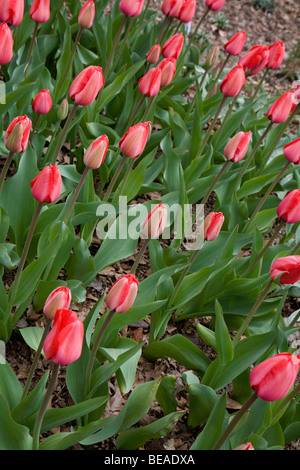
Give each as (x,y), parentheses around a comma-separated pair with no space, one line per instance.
(138,107)
(33,39)
(124,41)
(69,64)
(140,255)
(113,49)
(210,129)
(215,181)
(75,195)
(218,75)
(114,179)
(225,119)
(259,85)
(162,30)
(193,37)
(63,134)
(34,128)
(5,169)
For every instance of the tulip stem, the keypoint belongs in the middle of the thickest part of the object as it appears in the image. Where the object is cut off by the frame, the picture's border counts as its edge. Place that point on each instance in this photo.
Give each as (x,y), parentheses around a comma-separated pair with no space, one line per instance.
(75,195)
(162,29)
(33,39)
(57,15)
(44,405)
(215,181)
(63,133)
(112,51)
(5,169)
(259,85)
(124,180)
(218,76)
(251,313)
(140,255)
(235,420)
(131,120)
(211,127)
(124,42)
(145,11)
(192,103)
(181,278)
(114,179)
(36,358)
(193,37)
(69,64)
(34,128)
(229,111)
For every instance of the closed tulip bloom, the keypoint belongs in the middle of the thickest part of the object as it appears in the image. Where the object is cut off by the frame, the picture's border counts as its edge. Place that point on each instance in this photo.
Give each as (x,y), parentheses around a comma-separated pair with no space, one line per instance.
(155,222)
(255,60)
(6,44)
(187,11)
(235,44)
(172,7)
(273,378)
(95,154)
(289,207)
(246,446)
(233,82)
(212,225)
(168,69)
(12,12)
(291,151)
(288,268)
(215,5)
(213,56)
(122,294)
(237,147)
(276,55)
(280,110)
(40,11)
(42,103)
(87,15)
(17,134)
(59,298)
(149,84)
(134,141)
(173,46)
(63,344)
(63,109)
(153,55)
(131,7)
(87,85)
(46,186)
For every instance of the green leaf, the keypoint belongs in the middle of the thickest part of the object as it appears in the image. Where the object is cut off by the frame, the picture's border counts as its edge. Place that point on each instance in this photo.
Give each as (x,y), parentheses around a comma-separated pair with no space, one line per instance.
(166,394)
(32,402)
(202,400)
(10,386)
(32,336)
(13,436)
(223,340)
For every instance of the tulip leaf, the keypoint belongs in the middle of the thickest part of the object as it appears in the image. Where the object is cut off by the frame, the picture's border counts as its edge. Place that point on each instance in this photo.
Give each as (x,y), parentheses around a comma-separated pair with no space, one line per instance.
(13,436)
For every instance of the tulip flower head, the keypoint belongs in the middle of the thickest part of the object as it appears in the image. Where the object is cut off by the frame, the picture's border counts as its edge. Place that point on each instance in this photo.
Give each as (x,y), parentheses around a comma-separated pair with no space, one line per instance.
(87,85)
(172,8)
(122,294)
(288,268)
(168,69)
(215,5)
(212,225)
(6,44)
(46,186)
(87,15)
(213,56)
(291,151)
(42,103)
(233,82)
(63,344)
(40,11)
(149,84)
(276,55)
(17,134)
(289,207)
(246,446)
(237,147)
(12,12)
(273,378)
(153,55)
(155,222)
(280,110)
(58,299)
(63,109)
(96,152)
(187,11)
(131,7)
(173,46)
(135,139)
(255,60)
(235,44)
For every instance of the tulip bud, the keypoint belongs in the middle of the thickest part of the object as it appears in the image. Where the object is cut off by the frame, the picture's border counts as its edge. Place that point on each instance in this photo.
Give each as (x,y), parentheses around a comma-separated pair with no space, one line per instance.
(131,7)
(6,44)
(40,11)
(149,84)
(63,344)
(235,45)
(42,103)
(122,294)
(87,15)
(246,446)
(215,5)
(46,186)
(212,225)
(172,7)
(187,11)
(255,60)
(173,46)
(95,154)
(155,222)
(58,299)
(276,55)
(153,55)
(233,82)
(291,151)
(273,378)
(279,110)
(213,56)
(12,12)
(289,207)
(168,69)
(17,134)
(237,147)
(134,141)
(288,267)
(63,109)
(87,85)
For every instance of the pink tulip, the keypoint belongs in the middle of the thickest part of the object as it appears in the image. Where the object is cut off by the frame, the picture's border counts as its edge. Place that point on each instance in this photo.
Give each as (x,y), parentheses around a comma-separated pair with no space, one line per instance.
(134,141)
(46,186)
(58,299)
(288,268)
(187,11)
(155,222)
(87,85)
(291,151)
(172,7)
(131,7)
(237,147)
(96,152)
(149,84)
(6,44)
(122,294)
(173,46)
(280,110)
(42,103)
(215,5)
(289,207)
(87,15)
(153,55)
(168,69)
(212,225)
(40,11)
(246,446)
(233,82)
(12,12)
(276,55)
(17,134)
(255,60)
(235,44)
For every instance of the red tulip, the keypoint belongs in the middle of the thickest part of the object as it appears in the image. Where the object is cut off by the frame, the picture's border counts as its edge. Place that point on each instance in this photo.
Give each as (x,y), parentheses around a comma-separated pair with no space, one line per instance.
(6,44)
(149,84)
(237,147)
(288,267)
(42,103)
(281,108)
(40,11)
(289,207)
(134,141)
(12,12)
(95,154)
(212,225)
(187,11)
(155,222)
(17,134)
(46,186)
(173,46)
(215,5)
(122,294)
(131,7)
(153,55)
(291,151)
(255,60)
(273,378)
(168,69)
(276,55)
(246,446)
(63,344)
(87,15)
(172,7)
(233,82)
(58,299)
(87,85)
(235,44)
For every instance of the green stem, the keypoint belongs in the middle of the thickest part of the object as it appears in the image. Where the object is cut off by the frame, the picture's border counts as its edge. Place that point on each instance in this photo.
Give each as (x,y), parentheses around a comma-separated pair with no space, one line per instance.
(113,49)
(33,39)
(63,133)
(191,40)
(138,107)
(229,111)
(218,75)
(145,11)
(57,15)
(124,42)
(34,128)
(192,103)
(181,278)
(43,159)
(259,85)
(114,179)
(69,64)
(215,181)
(150,101)
(44,405)
(235,420)
(124,181)
(162,29)
(140,255)
(75,195)
(211,127)
(296,249)
(5,169)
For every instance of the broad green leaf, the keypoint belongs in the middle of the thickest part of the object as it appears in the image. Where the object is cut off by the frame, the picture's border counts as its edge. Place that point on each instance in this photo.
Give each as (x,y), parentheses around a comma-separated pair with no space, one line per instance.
(13,436)
(166,394)
(202,400)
